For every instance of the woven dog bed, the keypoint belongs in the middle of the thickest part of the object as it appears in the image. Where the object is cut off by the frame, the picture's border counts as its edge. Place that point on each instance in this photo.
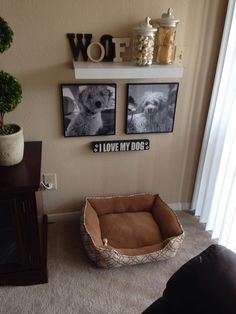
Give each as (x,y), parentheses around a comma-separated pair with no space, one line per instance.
(128,230)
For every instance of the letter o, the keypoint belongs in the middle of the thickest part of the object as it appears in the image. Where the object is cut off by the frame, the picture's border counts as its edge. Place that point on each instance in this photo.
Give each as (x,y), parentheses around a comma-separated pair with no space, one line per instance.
(101,48)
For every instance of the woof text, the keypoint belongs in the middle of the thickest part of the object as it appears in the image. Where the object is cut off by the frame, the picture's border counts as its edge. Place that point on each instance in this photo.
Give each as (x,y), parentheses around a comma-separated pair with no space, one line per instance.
(110,48)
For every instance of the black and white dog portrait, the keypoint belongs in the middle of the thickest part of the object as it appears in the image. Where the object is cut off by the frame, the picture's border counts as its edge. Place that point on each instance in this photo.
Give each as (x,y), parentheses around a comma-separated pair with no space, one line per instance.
(151,107)
(88,109)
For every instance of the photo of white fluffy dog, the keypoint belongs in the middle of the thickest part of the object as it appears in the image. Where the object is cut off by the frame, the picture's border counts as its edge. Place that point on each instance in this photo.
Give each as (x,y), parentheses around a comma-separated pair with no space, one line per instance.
(151,113)
(150,108)
(92,101)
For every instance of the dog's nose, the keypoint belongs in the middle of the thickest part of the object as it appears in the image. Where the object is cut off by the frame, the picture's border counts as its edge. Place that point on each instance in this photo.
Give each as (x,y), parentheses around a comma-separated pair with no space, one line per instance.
(98,104)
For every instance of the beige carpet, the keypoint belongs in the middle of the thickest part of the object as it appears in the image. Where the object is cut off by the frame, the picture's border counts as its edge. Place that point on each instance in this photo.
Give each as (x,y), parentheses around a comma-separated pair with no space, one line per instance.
(77,286)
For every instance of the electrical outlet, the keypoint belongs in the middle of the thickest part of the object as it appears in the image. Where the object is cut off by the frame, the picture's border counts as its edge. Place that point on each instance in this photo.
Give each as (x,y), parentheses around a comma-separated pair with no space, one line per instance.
(180,55)
(50,180)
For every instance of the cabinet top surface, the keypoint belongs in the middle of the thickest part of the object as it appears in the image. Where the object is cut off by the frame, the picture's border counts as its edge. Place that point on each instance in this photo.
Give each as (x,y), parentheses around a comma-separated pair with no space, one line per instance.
(26,175)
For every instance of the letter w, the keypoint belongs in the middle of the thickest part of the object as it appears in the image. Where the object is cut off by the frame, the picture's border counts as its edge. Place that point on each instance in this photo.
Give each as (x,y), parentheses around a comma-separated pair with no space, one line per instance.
(80,46)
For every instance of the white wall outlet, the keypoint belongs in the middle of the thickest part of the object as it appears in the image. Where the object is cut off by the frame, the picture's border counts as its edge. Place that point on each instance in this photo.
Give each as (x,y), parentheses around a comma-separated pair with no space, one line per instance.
(50,181)
(180,55)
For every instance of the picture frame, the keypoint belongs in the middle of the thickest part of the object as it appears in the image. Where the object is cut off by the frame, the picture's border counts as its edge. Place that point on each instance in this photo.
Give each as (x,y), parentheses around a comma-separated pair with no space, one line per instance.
(88,109)
(151,107)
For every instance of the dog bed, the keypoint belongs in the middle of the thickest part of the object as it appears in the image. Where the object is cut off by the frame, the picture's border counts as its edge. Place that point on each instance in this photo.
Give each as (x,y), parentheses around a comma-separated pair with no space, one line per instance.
(128,230)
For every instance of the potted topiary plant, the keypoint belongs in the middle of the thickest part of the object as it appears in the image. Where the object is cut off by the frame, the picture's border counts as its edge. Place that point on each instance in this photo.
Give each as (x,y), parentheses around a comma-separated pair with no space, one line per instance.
(11,135)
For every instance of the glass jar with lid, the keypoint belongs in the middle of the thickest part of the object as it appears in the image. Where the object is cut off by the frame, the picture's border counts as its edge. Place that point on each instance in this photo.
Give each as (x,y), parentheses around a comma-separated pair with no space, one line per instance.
(143,43)
(165,38)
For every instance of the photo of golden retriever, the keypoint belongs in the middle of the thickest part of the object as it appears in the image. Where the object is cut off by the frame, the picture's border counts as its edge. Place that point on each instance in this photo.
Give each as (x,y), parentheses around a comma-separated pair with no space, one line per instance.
(151,107)
(95,112)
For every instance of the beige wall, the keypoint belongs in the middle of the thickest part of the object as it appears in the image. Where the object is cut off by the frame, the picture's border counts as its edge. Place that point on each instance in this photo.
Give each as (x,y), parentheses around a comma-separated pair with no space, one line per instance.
(41,59)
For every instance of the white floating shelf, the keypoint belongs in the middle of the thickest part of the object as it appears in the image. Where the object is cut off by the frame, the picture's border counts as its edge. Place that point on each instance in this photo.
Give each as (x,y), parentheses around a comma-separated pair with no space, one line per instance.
(124,70)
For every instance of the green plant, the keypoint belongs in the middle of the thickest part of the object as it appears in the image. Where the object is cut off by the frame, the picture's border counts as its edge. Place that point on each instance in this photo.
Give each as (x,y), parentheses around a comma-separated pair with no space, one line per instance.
(10,97)
(6,35)
(10,88)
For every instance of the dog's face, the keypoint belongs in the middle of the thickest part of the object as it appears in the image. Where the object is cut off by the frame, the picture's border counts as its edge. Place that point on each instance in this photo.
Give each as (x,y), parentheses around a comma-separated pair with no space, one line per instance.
(94,98)
(152,103)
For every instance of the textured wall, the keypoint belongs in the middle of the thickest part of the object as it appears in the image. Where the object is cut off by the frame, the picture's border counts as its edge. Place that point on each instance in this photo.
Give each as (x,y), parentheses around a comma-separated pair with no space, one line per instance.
(40,58)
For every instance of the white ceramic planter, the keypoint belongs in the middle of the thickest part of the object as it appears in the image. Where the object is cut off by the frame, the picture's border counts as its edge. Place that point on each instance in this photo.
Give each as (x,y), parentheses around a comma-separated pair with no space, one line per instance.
(12,148)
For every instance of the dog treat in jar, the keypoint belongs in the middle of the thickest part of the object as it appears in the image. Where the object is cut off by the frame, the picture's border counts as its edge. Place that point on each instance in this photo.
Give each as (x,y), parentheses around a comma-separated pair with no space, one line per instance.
(143,43)
(165,38)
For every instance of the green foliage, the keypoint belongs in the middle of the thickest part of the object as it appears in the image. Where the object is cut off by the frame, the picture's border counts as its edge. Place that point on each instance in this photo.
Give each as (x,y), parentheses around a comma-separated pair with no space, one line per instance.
(6,35)
(10,97)
(10,88)
(10,92)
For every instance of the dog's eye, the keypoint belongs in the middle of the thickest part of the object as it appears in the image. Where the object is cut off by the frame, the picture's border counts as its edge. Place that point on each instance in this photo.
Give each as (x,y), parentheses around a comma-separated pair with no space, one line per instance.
(101,94)
(90,96)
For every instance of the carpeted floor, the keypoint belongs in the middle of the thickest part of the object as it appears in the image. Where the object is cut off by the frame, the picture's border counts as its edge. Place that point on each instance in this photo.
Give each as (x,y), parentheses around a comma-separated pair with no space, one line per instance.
(76,286)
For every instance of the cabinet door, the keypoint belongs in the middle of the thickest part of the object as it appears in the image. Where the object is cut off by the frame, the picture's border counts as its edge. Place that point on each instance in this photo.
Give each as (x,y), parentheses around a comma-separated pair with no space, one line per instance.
(26,204)
(13,250)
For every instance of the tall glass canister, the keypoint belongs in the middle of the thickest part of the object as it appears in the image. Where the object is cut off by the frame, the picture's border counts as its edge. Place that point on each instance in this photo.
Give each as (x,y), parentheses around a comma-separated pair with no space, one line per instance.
(165,38)
(143,43)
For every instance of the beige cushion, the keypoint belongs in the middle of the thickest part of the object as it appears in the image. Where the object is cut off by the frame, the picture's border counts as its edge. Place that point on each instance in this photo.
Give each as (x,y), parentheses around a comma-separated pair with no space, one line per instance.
(130,230)
(137,228)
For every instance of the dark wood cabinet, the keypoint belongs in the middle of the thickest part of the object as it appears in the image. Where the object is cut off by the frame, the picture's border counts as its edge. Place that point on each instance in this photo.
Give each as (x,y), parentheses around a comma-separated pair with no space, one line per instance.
(23,227)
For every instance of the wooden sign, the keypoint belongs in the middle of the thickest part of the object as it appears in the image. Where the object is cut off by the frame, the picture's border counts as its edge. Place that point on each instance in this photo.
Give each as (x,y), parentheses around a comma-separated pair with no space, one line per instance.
(110,48)
(120,146)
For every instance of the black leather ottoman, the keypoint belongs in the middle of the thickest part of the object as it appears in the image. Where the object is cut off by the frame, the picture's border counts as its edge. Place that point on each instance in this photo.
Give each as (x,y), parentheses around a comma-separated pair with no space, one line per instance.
(205,284)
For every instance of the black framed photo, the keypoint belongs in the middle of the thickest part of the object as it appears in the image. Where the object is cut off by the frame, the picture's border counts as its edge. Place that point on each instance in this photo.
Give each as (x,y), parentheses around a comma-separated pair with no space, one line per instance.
(151,107)
(89,109)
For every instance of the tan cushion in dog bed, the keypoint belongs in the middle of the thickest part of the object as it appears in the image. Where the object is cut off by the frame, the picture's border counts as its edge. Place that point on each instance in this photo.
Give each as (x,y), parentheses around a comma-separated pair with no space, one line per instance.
(129,230)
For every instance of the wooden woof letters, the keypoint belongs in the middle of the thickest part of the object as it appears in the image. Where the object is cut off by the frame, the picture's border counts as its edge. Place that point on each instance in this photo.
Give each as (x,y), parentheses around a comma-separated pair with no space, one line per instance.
(110,48)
